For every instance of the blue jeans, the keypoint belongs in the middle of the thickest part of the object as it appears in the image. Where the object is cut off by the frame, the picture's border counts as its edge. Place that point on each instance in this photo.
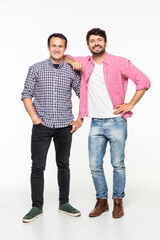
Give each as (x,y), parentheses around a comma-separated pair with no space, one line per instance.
(114,131)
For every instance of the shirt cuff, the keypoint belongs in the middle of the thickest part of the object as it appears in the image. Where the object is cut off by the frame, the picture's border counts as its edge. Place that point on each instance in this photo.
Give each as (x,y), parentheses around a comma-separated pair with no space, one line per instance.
(25,96)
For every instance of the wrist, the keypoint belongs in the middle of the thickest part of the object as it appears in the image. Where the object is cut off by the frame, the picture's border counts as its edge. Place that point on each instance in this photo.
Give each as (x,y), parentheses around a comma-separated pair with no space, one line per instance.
(68,60)
(34,117)
(131,104)
(80,119)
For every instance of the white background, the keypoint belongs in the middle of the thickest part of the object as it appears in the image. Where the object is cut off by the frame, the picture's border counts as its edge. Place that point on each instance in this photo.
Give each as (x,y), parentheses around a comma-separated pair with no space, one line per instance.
(133,32)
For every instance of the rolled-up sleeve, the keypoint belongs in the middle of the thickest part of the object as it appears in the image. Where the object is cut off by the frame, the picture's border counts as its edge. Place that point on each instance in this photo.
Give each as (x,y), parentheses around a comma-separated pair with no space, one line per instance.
(128,70)
(29,86)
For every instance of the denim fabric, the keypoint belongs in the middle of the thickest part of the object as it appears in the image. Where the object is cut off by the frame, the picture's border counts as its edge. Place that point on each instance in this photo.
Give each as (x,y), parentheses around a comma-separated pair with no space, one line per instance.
(102,131)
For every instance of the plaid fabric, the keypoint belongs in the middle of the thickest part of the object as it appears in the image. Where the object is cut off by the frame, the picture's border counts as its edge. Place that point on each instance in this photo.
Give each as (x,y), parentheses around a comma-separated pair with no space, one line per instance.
(51,90)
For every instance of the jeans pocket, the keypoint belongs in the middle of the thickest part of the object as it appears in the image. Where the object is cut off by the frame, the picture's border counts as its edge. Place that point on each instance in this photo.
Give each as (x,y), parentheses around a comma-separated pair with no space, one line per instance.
(37,124)
(119,119)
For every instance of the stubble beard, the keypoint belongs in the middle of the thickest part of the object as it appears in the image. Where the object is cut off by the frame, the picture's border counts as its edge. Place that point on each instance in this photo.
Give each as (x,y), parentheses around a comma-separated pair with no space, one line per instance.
(98,53)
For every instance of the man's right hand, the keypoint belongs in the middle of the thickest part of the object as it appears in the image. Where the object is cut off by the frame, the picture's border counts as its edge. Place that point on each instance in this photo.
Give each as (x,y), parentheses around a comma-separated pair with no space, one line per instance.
(77,66)
(36,120)
(29,107)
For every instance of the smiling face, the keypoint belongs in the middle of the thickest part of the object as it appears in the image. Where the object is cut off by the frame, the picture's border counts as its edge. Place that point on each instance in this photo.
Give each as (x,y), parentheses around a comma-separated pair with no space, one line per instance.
(57,48)
(97,45)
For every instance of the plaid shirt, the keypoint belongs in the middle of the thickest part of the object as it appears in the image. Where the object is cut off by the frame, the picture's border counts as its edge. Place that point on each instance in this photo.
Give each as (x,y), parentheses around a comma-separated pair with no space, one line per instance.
(51,89)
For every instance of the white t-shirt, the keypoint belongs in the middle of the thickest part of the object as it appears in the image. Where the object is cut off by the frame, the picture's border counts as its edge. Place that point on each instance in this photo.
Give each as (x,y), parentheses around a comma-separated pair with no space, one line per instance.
(99,102)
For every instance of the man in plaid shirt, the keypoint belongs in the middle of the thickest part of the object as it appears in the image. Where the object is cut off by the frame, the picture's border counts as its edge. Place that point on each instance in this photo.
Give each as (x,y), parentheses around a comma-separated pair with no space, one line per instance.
(49,83)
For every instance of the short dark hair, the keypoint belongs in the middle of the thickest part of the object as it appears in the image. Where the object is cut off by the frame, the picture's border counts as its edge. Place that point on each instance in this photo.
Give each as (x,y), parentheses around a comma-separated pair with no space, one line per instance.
(59,35)
(96,31)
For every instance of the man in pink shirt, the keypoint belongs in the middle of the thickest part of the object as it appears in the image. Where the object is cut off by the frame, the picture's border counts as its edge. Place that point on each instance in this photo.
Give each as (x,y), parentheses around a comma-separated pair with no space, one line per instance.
(103,87)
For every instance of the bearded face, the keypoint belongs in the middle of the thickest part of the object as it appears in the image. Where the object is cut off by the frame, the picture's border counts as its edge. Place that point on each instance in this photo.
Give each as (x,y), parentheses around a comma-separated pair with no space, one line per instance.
(96,45)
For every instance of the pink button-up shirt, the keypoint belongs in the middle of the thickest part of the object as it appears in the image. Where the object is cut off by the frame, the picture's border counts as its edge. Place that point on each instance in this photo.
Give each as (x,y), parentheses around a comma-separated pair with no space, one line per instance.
(116,71)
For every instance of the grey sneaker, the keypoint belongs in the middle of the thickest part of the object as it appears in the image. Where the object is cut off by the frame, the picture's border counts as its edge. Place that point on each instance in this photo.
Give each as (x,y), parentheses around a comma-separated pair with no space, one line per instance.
(69,210)
(32,215)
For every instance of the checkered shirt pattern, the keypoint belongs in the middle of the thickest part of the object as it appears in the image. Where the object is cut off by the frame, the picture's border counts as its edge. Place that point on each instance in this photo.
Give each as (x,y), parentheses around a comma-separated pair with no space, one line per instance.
(51,90)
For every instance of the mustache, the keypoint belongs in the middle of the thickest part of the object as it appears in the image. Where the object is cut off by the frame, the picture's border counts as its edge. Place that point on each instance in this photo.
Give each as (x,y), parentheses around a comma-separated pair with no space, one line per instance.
(97,46)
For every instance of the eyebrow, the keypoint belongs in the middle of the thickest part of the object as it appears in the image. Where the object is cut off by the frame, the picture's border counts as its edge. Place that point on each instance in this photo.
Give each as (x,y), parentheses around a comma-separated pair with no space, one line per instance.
(97,38)
(53,44)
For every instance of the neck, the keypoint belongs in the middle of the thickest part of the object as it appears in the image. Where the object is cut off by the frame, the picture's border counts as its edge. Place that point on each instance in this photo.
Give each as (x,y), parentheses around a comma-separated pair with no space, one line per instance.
(99,58)
(56,61)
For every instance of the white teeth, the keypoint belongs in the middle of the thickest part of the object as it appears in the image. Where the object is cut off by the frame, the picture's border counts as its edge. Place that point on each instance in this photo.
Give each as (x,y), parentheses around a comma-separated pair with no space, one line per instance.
(97,48)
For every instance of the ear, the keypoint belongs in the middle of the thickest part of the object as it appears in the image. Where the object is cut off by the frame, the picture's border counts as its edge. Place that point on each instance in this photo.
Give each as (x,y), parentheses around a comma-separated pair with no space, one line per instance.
(65,48)
(106,44)
(88,46)
(48,47)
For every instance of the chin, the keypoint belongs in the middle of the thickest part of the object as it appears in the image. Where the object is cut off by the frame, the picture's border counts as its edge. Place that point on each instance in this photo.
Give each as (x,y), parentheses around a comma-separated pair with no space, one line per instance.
(98,53)
(56,57)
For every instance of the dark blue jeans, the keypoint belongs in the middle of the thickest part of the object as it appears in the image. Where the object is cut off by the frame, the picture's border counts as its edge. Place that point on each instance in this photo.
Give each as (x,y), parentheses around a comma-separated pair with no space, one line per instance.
(40,142)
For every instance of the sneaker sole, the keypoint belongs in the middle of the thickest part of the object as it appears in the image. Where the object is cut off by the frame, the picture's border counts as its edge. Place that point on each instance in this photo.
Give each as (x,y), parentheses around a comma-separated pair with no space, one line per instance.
(70,214)
(31,220)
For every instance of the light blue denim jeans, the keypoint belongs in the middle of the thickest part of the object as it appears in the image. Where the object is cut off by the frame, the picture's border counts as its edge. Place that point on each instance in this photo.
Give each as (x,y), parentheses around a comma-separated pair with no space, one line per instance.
(102,131)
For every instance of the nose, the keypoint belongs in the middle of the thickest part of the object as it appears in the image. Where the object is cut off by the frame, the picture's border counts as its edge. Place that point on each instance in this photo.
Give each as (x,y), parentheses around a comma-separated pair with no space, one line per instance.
(56,48)
(96,42)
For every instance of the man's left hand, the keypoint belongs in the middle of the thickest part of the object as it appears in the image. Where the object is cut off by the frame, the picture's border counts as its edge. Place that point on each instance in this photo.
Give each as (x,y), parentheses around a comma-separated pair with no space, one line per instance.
(76,124)
(122,108)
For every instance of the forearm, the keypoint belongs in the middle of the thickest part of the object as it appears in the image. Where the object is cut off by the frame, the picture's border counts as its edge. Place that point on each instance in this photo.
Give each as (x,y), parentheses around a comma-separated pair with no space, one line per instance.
(29,108)
(137,96)
(68,60)
(77,65)
(126,107)
(79,117)
(77,124)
